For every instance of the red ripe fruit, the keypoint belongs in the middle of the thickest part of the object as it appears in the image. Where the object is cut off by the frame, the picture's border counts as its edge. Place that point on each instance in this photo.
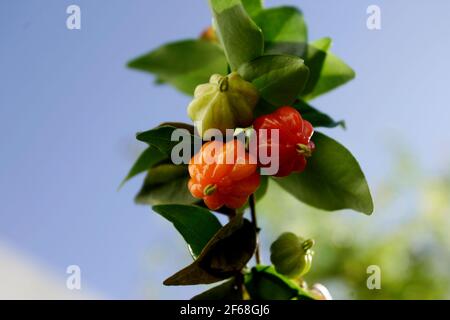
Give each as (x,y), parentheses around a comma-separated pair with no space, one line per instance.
(294,143)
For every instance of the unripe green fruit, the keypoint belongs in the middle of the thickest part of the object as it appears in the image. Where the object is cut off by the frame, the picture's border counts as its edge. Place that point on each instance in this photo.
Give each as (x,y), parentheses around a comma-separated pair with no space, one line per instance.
(291,255)
(226,102)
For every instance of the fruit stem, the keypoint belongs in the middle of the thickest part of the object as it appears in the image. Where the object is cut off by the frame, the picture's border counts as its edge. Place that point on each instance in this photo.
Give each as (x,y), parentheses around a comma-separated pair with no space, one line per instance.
(251,202)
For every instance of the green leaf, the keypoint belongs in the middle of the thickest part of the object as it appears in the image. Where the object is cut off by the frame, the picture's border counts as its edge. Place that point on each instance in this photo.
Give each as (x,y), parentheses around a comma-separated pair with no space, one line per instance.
(241,38)
(333,179)
(315,117)
(196,225)
(225,291)
(184,64)
(282,24)
(226,254)
(166,184)
(288,48)
(252,6)
(279,78)
(323,44)
(179,125)
(161,137)
(264,283)
(327,70)
(148,158)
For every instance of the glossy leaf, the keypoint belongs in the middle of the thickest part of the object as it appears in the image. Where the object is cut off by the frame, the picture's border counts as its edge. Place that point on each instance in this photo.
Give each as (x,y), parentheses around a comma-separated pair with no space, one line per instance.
(327,70)
(225,291)
(288,48)
(179,125)
(282,24)
(264,283)
(252,6)
(196,225)
(332,180)
(241,38)
(226,253)
(148,158)
(279,78)
(161,137)
(166,184)
(315,117)
(184,64)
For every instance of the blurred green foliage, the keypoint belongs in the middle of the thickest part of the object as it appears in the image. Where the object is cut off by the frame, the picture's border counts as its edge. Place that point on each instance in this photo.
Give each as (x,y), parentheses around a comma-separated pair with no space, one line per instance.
(408,237)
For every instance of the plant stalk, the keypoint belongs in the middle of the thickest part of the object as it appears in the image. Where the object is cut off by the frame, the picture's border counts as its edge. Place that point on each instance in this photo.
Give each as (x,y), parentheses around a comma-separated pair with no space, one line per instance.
(251,202)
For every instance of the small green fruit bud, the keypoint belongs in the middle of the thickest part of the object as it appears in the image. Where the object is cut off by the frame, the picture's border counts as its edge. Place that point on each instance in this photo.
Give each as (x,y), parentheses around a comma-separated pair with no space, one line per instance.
(291,255)
(223,103)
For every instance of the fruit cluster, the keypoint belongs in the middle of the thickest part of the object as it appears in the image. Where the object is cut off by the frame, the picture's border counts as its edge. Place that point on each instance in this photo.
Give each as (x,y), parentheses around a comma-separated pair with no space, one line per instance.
(228,103)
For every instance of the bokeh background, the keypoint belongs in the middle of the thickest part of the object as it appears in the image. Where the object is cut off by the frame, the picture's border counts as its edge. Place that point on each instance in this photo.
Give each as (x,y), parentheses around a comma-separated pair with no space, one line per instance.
(69,110)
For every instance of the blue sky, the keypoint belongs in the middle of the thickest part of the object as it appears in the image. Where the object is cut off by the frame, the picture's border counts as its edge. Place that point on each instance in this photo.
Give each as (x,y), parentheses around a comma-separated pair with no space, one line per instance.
(69,110)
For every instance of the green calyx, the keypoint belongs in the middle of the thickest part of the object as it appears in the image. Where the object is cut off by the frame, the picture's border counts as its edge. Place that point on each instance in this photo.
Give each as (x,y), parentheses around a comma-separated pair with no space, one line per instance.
(226,102)
(291,255)
(209,189)
(223,84)
(304,150)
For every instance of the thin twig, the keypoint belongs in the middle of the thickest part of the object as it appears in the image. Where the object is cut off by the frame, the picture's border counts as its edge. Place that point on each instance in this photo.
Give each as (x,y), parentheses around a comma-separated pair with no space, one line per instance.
(251,201)
(231,214)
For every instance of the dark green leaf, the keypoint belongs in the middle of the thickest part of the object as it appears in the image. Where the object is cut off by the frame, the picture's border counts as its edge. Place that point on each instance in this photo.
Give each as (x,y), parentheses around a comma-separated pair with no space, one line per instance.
(184,64)
(264,283)
(146,160)
(179,125)
(289,48)
(226,253)
(241,38)
(263,107)
(252,6)
(161,137)
(166,184)
(332,180)
(315,117)
(196,225)
(327,70)
(315,56)
(225,291)
(282,24)
(279,78)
